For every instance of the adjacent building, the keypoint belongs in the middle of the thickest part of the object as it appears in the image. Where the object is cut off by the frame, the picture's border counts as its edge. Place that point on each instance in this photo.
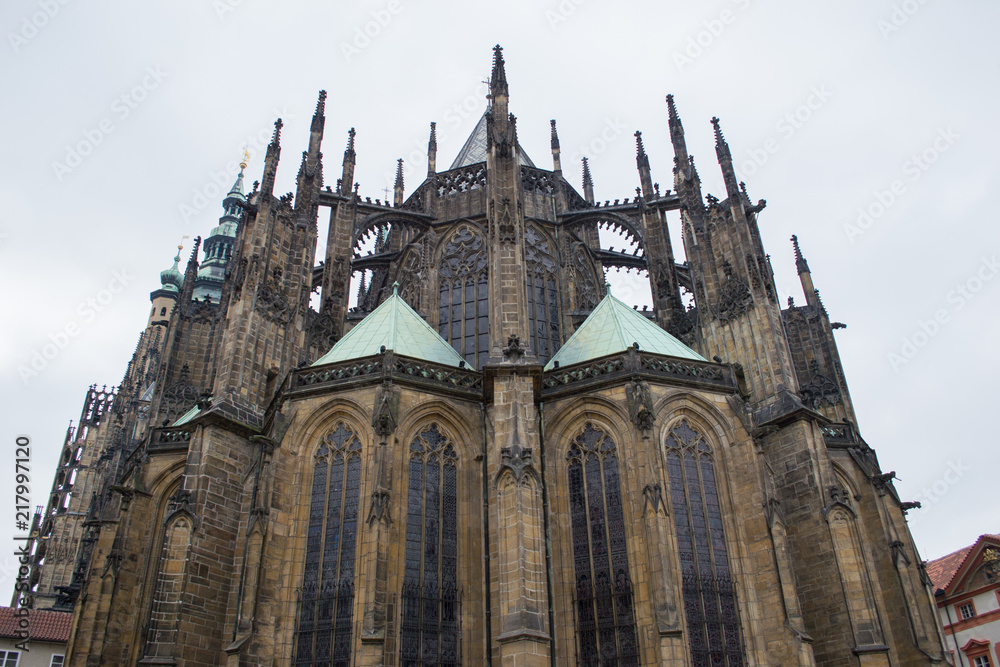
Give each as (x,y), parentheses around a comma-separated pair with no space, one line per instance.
(967,591)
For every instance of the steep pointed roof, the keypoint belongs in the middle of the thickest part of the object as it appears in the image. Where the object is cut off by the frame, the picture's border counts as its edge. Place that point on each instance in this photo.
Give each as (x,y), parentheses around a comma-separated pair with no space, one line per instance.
(397,327)
(613,327)
(474,149)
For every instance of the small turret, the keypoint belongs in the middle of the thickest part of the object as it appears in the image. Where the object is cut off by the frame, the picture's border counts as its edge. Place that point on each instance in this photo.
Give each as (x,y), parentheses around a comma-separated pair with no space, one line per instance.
(219,243)
(556,163)
(432,149)
(165,298)
(498,78)
(271,161)
(171,279)
(588,183)
(310,178)
(397,199)
(347,179)
(191,272)
(642,162)
(805,277)
(686,181)
(726,162)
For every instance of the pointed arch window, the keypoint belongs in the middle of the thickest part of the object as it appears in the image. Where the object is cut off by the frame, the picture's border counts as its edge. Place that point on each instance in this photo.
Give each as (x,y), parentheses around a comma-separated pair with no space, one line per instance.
(605,615)
(324,633)
(463,316)
(165,611)
(429,627)
(709,594)
(543,297)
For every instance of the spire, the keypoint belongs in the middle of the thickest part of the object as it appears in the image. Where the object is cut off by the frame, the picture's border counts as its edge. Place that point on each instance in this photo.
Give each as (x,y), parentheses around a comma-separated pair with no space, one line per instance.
(319,116)
(556,163)
(349,160)
(432,149)
(191,271)
(800,261)
(805,277)
(237,188)
(588,183)
(362,288)
(498,79)
(316,129)
(686,181)
(726,162)
(398,188)
(310,177)
(271,160)
(500,133)
(642,162)
(676,130)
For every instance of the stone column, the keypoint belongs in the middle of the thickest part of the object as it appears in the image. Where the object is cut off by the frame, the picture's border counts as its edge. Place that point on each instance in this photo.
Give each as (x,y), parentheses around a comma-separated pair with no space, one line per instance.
(519,588)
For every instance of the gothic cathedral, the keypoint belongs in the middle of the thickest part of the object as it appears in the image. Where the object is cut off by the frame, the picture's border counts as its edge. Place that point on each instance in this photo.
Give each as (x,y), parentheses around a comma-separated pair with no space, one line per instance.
(489,459)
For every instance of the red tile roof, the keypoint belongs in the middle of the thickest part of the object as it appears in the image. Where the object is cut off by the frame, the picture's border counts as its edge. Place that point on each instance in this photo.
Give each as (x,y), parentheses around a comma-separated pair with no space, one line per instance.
(43,626)
(942,570)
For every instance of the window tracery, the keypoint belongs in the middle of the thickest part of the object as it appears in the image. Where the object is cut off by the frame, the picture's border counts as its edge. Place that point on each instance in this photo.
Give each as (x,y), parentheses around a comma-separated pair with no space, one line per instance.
(708,590)
(543,296)
(463,317)
(606,629)
(430,616)
(325,617)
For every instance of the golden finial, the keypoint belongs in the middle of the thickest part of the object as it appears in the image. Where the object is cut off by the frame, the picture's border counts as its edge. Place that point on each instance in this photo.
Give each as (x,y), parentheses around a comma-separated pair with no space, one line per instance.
(246,158)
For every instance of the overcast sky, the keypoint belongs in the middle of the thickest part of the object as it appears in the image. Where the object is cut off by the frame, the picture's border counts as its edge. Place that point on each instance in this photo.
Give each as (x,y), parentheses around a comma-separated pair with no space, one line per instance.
(869,127)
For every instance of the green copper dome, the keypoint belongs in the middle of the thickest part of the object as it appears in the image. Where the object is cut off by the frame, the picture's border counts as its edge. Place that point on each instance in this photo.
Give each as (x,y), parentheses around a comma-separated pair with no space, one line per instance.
(172,278)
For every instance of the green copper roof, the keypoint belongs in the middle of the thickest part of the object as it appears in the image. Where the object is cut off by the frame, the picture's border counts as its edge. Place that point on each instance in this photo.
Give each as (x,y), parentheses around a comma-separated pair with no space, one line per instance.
(187,416)
(400,329)
(613,327)
(172,279)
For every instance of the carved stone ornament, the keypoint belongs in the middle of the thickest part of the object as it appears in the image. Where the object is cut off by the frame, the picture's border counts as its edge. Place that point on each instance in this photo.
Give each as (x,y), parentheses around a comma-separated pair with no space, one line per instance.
(271,299)
(378,509)
(991,564)
(654,503)
(513,350)
(734,296)
(586,286)
(385,413)
(515,458)
(505,222)
(899,556)
(322,327)
(820,390)
(180,502)
(179,396)
(640,405)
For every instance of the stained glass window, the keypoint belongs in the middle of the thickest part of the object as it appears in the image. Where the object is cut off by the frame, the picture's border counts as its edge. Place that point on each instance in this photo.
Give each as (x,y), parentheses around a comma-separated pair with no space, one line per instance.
(463,316)
(605,620)
(543,296)
(324,633)
(429,624)
(709,594)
